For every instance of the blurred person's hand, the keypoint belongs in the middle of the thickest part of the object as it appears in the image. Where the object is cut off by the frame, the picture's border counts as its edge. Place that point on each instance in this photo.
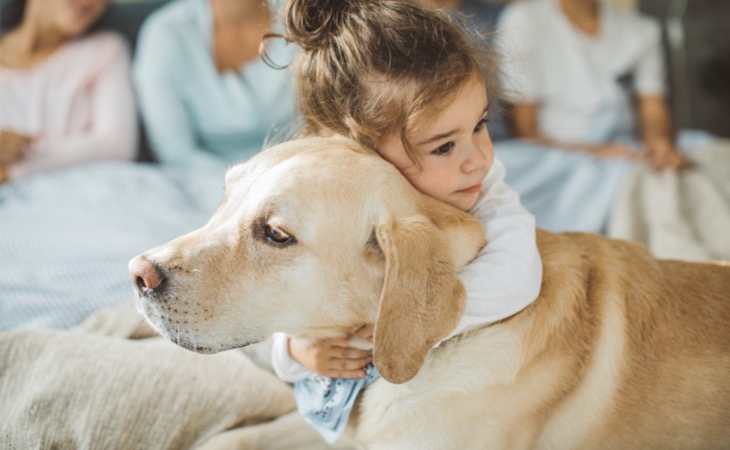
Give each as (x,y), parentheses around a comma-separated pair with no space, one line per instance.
(13,147)
(662,154)
(614,150)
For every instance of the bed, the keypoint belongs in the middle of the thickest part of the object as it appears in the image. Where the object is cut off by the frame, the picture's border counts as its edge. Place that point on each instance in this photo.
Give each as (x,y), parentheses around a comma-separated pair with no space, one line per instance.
(75,372)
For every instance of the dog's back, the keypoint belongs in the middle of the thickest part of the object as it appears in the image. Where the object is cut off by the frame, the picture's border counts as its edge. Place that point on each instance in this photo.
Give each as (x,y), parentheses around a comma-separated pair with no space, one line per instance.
(660,346)
(619,351)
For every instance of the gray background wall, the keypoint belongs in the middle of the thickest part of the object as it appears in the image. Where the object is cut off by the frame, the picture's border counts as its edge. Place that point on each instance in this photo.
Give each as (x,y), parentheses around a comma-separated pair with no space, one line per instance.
(697,36)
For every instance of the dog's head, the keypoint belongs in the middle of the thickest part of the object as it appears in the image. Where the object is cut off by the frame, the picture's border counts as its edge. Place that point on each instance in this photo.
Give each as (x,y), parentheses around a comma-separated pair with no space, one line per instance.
(313,237)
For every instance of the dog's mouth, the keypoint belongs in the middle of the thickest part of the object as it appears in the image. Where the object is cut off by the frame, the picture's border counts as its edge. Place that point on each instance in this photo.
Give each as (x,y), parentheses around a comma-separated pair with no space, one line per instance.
(196,345)
(184,333)
(191,345)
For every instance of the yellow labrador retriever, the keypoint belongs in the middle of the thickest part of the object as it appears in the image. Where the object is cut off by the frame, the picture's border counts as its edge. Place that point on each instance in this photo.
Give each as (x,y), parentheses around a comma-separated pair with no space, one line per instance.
(620,351)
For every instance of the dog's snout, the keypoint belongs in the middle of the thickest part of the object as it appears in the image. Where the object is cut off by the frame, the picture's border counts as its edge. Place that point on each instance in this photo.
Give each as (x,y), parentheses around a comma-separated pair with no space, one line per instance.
(146,275)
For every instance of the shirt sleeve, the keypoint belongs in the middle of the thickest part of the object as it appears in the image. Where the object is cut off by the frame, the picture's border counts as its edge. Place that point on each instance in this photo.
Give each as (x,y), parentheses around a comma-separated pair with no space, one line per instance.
(650,72)
(284,366)
(168,125)
(506,275)
(112,133)
(518,72)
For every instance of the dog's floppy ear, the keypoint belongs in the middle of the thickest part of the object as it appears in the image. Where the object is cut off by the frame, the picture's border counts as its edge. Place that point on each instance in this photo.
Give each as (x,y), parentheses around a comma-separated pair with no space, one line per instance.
(421,301)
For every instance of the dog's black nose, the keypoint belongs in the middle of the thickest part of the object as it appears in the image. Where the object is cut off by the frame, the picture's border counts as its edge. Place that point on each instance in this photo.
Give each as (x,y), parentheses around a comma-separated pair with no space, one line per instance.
(146,276)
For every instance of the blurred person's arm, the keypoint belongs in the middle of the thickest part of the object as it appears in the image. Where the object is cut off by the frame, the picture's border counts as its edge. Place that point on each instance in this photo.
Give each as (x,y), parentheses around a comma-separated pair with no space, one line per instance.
(658,134)
(13,147)
(168,126)
(525,126)
(654,119)
(112,132)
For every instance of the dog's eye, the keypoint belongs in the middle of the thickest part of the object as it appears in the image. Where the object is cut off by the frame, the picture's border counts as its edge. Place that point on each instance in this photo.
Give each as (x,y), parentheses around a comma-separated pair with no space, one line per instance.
(276,236)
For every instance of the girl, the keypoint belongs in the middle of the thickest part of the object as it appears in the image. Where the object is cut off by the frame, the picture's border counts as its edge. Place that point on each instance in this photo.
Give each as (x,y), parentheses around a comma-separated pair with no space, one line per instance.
(401,79)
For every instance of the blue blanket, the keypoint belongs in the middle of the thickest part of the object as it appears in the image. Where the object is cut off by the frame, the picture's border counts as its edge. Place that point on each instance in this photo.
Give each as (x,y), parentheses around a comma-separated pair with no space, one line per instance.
(66,236)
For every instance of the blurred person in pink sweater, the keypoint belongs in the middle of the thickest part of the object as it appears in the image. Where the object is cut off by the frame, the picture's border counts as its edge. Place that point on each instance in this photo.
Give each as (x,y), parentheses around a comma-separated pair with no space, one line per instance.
(65,92)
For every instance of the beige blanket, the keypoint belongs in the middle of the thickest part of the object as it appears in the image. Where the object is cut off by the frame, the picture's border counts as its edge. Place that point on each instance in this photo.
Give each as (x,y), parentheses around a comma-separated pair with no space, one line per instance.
(679,215)
(95,388)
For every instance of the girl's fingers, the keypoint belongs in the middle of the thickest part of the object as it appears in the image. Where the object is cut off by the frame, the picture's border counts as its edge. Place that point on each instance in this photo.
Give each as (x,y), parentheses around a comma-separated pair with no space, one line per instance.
(340,343)
(350,364)
(351,353)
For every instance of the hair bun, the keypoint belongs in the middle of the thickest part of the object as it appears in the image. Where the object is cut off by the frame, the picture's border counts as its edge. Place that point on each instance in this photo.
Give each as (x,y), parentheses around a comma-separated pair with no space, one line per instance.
(312,23)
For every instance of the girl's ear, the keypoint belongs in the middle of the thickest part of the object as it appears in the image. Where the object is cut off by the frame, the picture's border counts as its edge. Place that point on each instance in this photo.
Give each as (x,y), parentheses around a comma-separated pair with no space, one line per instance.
(421,301)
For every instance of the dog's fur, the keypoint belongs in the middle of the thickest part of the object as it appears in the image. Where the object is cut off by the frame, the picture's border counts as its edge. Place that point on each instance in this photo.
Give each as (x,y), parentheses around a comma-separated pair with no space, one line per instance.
(620,350)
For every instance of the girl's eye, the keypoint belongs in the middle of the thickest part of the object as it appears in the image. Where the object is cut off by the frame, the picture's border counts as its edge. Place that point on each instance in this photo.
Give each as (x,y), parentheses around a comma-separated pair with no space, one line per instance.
(482,125)
(444,149)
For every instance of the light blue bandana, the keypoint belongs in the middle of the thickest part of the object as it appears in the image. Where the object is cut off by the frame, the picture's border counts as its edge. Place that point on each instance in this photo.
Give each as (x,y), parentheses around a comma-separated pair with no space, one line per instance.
(326,403)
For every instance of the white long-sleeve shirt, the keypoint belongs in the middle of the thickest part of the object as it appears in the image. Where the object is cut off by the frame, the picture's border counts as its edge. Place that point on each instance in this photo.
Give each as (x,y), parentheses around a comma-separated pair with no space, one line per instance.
(502,280)
(78,104)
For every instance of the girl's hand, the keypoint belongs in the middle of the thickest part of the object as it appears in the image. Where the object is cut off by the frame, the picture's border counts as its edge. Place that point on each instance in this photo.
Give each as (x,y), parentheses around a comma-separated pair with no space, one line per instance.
(333,358)
(13,147)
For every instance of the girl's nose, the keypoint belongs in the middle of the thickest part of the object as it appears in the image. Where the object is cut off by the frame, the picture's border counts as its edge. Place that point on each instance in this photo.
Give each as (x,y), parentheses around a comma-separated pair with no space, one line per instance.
(477,154)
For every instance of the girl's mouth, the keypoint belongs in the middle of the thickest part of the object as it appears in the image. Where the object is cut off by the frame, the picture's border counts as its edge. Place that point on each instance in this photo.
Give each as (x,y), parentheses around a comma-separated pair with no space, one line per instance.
(472,190)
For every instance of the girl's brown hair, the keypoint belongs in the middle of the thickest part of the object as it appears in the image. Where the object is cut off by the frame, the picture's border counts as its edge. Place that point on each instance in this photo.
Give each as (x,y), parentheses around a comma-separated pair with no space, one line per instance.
(371,67)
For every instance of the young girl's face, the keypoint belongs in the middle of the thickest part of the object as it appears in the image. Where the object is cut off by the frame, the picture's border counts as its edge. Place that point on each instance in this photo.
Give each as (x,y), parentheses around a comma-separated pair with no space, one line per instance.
(453,146)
